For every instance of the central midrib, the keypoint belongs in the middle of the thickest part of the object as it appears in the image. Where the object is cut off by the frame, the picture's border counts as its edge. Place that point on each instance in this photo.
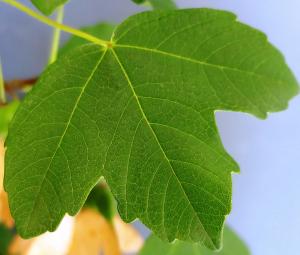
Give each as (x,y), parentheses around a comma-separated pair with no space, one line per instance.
(156,138)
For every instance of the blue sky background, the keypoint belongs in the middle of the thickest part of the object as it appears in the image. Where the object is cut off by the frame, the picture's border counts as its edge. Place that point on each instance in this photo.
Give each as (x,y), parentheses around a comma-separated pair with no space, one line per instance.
(266,200)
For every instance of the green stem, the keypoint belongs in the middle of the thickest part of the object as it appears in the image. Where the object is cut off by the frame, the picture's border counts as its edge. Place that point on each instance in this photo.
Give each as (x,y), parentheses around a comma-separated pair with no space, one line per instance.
(2,88)
(56,35)
(57,25)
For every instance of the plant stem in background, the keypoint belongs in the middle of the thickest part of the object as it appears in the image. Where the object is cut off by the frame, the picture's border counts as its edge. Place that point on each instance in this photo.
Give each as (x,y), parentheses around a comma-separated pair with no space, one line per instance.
(55,24)
(2,89)
(56,35)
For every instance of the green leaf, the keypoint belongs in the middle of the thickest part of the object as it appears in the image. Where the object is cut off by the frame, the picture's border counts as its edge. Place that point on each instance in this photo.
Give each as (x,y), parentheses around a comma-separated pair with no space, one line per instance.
(232,245)
(47,7)
(162,4)
(158,4)
(140,112)
(6,237)
(101,199)
(2,86)
(138,1)
(6,115)
(101,30)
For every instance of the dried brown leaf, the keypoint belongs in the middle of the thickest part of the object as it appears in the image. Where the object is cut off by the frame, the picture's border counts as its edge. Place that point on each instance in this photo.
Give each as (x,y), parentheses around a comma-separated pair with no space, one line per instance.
(92,234)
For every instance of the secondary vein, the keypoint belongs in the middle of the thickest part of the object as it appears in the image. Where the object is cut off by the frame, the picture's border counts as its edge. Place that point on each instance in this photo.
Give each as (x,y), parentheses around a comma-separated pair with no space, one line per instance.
(64,133)
(136,47)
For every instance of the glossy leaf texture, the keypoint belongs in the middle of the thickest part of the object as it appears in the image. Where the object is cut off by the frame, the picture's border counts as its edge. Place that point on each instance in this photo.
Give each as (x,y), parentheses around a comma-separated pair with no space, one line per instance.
(47,7)
(232,245)
(140,112)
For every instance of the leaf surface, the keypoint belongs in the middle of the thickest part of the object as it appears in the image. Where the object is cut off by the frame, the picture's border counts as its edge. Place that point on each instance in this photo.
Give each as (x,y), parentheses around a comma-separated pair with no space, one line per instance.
(47,7)
(141,114)
(232,245)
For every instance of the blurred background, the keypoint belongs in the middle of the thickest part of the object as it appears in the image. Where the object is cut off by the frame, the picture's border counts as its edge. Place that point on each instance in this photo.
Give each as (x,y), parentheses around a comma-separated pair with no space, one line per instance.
(266,195)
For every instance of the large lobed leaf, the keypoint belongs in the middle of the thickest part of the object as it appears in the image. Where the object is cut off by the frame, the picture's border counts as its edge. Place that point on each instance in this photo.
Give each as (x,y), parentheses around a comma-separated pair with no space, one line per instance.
(232,245)
(141,114)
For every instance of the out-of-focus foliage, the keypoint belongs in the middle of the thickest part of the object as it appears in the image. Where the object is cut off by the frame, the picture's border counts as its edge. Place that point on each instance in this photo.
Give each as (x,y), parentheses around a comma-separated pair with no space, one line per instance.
(101,199)
(232,245)
(47,7)
(6,114)
(5,216)
(5,238)
(158,4)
